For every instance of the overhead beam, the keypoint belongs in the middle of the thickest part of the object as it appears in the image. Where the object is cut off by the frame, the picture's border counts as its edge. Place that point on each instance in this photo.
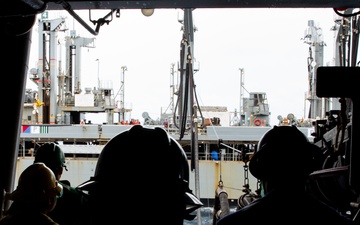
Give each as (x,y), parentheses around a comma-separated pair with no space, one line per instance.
(31,7)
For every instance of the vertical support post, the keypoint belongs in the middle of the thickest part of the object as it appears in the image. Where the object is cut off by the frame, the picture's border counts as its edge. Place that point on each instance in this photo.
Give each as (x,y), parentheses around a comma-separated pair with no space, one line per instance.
(122,94)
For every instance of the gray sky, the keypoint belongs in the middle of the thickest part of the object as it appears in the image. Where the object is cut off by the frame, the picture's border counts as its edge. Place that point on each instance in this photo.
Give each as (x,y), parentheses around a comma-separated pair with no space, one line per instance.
(266,43)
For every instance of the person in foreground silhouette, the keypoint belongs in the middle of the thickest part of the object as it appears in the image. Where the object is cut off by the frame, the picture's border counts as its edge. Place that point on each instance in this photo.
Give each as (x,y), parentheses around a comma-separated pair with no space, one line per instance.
(283,162)
(35,196)
(70,208)
(142,174)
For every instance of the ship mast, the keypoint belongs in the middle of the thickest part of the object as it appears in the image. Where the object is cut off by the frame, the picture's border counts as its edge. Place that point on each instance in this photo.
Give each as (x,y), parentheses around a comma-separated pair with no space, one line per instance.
(187,109)
(314,38)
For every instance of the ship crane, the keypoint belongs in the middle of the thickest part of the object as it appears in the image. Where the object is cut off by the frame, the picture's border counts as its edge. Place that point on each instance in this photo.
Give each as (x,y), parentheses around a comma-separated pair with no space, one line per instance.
(314,38)
(47,67)
(186,99)
(59,91)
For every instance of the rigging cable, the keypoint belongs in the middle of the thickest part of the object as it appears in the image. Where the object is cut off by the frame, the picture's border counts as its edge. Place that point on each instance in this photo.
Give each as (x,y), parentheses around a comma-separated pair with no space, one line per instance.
(187,84)
(185,99)
(180,93)
(345,14)
(355,40)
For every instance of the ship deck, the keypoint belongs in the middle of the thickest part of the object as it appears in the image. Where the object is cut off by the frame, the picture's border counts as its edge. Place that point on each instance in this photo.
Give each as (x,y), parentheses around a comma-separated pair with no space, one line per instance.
(101,133)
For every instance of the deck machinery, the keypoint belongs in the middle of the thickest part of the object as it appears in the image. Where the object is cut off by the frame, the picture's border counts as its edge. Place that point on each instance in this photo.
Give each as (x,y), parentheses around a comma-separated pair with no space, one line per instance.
(59,98)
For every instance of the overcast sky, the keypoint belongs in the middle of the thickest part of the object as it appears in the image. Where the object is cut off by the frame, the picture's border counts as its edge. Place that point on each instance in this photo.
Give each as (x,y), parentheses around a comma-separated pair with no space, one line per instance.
(266,43)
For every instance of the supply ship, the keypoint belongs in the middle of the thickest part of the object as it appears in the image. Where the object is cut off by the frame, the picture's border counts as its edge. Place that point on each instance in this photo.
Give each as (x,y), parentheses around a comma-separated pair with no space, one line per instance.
(49,115)
(57,109)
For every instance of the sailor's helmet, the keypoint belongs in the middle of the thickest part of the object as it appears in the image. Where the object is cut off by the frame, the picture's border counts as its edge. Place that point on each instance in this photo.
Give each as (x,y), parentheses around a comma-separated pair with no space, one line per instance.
(36,183)
(51,154)
(145,160)
(283,148)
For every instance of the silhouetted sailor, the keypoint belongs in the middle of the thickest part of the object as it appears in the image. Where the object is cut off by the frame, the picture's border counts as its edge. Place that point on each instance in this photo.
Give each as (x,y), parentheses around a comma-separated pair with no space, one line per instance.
(282,163)
(35,196)
(142,175)
(70,208)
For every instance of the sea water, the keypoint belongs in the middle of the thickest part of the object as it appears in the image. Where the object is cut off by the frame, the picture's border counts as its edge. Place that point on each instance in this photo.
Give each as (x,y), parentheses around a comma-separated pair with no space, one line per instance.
(206,214)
